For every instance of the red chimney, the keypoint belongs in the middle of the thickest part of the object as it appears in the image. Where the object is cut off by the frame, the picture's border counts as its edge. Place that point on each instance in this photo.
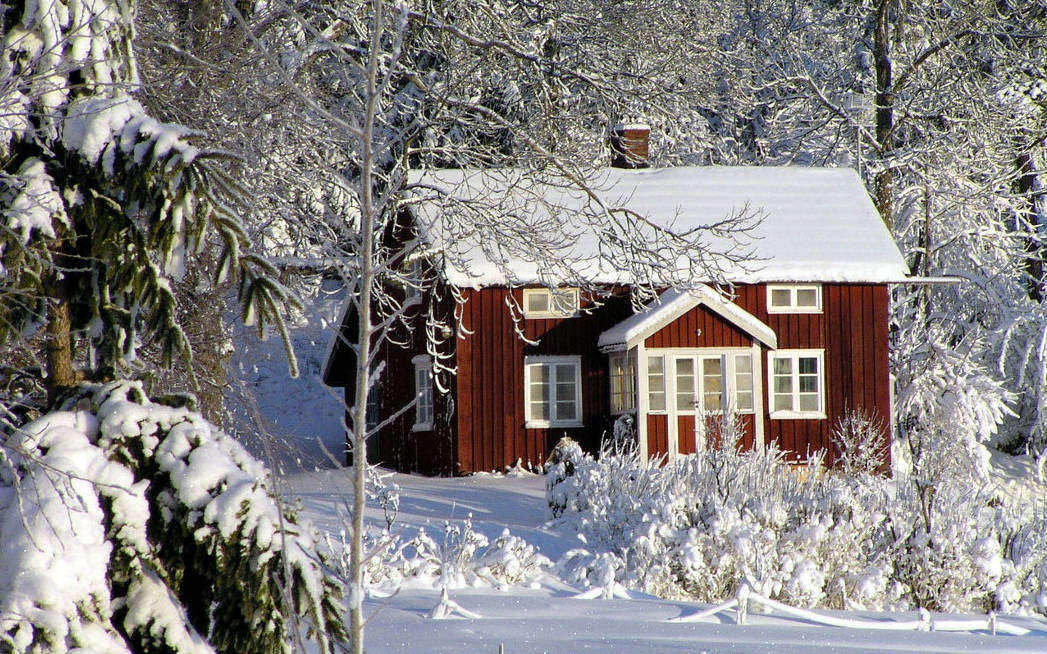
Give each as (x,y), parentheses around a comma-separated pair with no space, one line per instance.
(629,145)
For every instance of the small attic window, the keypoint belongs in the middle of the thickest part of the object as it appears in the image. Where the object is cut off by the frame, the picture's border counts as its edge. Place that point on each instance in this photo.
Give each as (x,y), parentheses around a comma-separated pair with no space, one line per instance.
(794,298)
(546,303)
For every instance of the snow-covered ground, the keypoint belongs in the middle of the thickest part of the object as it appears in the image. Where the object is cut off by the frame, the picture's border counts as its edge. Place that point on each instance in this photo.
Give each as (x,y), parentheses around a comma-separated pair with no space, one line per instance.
(549,619)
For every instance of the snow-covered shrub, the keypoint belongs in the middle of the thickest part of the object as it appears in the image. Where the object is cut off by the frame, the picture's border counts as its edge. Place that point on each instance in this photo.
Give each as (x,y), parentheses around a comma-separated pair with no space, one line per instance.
(560,467)
(461,558)
(130,526)
(699,526)
(861,442)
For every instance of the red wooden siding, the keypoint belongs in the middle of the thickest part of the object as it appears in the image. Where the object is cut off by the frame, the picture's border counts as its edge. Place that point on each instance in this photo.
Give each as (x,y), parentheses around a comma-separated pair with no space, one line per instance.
(699,327)
(490,407)
(657,434)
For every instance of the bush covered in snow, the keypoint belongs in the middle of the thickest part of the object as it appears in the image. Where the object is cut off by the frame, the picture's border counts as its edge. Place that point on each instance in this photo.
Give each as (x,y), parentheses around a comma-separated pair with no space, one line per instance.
(131,526)
(699,526)
(460,557)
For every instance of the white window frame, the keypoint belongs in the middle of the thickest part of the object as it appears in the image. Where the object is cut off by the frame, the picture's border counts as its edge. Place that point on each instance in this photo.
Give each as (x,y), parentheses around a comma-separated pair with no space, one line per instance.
(795,356)
(728,379)
(424,408)
(792,289)
(576,362)
(552,311)
(664,374)
(627,362)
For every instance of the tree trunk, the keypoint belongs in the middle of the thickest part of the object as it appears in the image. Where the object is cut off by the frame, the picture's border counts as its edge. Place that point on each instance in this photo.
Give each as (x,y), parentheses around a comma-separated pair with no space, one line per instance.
(61,375)
(883,183)
(1028,187)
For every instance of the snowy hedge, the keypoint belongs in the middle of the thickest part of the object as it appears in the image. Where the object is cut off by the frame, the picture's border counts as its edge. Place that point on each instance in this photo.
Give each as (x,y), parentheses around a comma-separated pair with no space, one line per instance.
(132,526)
(701,525)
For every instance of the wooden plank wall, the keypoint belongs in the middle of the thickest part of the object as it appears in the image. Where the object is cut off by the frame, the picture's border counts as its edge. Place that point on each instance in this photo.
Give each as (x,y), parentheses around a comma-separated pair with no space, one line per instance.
(853,330)
(490,393)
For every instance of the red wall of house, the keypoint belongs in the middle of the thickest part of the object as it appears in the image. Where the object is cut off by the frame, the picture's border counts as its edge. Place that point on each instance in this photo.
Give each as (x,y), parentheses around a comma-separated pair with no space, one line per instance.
(490,391)
(853,330)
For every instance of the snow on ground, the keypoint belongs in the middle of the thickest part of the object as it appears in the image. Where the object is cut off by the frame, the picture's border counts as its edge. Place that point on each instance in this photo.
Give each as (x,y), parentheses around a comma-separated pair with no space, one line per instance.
(549,619)
(301,417)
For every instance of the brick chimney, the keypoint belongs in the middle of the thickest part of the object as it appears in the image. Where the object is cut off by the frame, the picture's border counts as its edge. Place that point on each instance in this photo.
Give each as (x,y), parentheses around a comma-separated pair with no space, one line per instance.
(629,145)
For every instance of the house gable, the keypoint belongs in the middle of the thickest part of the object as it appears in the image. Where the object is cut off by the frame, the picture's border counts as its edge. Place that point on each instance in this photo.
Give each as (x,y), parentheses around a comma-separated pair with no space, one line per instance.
(671,306)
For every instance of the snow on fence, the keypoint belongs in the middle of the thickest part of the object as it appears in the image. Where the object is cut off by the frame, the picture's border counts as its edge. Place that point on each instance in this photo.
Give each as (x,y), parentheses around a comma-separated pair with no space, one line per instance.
(925,623)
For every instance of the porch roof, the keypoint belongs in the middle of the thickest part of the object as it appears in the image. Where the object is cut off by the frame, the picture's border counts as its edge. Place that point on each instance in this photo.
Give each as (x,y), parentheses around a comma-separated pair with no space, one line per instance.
(674,303)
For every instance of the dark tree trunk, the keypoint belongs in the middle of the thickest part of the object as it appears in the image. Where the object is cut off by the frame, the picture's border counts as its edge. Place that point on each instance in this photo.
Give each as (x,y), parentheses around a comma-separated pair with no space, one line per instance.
(883,183)
(1029,188)
(61,373)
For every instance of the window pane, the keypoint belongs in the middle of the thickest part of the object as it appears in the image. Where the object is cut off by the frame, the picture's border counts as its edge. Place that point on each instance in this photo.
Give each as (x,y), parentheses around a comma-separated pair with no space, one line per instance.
(809,402)
(808,365)
(783,384)
(655,365)
(806,297)
(744,401)
(565,302)
(783,402)
(539,372)
(565,373)
(780,297)
(538,301)
(565,392)
(808,384)
(743,363)
(656,401)
(539,411)
(656,384)
(565,411)
(783,366)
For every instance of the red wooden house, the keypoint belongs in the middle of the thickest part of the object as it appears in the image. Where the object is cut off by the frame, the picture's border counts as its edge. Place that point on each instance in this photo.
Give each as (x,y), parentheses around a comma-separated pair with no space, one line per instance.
(802,339)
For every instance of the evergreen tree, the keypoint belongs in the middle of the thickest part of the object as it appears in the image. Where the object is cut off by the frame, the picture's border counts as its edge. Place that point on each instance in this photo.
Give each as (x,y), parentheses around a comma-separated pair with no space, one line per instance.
(103,207)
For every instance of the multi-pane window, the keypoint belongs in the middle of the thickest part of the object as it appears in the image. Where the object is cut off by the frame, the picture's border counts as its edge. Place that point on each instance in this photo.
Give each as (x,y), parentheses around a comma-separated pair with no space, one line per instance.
(623,383)
(423,391)
(794,298)
(552,391)
(743,383)
(685,384)
(546,303)
(655,383)
(797,386)
(712,384)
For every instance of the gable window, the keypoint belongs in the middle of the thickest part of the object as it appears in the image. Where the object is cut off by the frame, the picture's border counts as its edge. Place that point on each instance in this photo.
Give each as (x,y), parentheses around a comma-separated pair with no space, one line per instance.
(797,383)
(546,303)
(552,391)
(656,384)
(423,392)
(794,298)
(623,383)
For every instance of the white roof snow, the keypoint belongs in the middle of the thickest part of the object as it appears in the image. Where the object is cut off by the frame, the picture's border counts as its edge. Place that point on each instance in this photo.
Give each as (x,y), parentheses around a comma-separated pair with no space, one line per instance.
(818,224)
(671,305)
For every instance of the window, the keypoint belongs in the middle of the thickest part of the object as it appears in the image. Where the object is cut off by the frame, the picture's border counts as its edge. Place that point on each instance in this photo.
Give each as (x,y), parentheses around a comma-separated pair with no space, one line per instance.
(623,383)
(783,298)
(743,383)
(423,392)
(552,391)
(656,384)
(545,303)
(797,386)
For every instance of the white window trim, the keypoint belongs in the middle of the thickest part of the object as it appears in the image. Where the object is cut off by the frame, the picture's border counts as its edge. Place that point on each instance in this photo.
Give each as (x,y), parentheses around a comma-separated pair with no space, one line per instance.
(657,354)
(423,362)
(793,288)
(545,424)
(794,355)
(552,312)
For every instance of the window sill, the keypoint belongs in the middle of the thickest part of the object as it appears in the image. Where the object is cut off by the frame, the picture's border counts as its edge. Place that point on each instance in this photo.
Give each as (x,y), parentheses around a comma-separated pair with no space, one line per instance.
(542,424)
(794,310)
(425,426)
(798,415)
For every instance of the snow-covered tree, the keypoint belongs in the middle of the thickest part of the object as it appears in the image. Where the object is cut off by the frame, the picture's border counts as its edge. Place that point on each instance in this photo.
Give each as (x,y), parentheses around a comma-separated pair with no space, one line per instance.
(103,206)
(132,526)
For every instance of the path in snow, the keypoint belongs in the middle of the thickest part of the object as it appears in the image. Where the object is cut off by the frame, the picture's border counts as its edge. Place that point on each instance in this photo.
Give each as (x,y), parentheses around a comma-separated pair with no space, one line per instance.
(550,620)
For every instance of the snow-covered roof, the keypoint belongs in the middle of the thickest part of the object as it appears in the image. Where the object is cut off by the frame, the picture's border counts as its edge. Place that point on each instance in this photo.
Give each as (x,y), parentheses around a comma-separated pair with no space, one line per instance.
(818,224)
(671,305)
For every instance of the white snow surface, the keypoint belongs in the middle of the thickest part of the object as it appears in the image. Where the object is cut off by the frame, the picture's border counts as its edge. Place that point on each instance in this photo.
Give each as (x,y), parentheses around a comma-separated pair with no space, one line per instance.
(818,224)
(551,618)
